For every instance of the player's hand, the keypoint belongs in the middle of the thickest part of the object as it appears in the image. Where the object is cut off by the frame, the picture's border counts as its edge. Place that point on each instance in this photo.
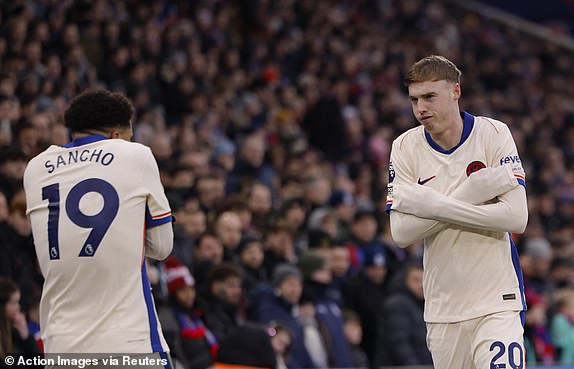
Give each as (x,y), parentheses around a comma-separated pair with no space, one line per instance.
(416,200)
(21,325)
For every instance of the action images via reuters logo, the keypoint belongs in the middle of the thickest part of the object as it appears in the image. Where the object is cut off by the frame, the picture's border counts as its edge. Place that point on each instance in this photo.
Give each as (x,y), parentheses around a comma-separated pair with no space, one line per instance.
(82,361)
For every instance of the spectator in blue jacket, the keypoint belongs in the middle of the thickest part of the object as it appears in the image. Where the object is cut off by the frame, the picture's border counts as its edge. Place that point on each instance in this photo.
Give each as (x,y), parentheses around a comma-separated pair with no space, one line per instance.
(317,288)
(279,303)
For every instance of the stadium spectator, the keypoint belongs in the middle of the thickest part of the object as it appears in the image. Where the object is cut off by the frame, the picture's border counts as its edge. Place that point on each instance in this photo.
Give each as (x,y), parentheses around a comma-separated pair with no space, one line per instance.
(282,342)
(279,246)
(402,331)
(345,208)
(536,260)
(562,326)
(537,338)
(247,346)
(354,333)
(279,302)
(190,225)
(12,165)
(228,227)
(194,345)
(314,335)
(317,280)
(250,258)
(220,303)
(208,252)
(365,294)
(15,338)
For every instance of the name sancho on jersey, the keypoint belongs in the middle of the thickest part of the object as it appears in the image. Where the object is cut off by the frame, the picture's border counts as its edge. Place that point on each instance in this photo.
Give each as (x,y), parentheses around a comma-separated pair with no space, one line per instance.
(80,156)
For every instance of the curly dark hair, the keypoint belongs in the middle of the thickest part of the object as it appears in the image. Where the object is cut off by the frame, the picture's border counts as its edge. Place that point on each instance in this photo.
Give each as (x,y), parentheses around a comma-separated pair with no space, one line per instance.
(96,109)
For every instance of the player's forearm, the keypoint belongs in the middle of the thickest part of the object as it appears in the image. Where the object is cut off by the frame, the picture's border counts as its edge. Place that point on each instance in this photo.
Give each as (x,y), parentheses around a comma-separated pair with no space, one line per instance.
(509,214)
(159,241)
(486,185)
(407,229)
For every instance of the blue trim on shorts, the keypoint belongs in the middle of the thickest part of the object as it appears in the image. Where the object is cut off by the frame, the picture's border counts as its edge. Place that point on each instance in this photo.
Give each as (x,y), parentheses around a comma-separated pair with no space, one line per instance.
(522,318)
(518,271)
(152,319)
(165,356)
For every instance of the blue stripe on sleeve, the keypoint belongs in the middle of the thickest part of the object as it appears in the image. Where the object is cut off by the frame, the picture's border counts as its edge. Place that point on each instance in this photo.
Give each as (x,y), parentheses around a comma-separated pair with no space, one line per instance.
(150,222)
(521,182)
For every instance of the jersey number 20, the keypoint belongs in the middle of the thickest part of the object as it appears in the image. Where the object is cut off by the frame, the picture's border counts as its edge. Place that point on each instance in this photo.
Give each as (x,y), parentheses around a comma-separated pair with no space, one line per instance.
(98,223)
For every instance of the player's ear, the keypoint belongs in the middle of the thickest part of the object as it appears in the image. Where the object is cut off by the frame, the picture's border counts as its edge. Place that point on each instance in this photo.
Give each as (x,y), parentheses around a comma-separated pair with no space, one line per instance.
(115,134)
(456,91)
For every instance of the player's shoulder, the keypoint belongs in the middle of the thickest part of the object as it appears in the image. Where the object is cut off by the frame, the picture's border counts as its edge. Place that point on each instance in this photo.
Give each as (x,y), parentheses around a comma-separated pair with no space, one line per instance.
(409,138)
(128,145)
(490,126)
(40,158)
(129,148)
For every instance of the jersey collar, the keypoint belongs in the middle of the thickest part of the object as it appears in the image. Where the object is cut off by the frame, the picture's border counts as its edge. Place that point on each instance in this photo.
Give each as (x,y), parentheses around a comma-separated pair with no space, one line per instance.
(468,123)
(84,140)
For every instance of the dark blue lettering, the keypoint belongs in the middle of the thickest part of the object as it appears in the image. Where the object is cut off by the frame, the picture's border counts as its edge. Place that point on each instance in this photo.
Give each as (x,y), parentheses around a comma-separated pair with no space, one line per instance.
(49,166)
(96,154)
(73,156)
(82,157)
(107,155)
(60,161)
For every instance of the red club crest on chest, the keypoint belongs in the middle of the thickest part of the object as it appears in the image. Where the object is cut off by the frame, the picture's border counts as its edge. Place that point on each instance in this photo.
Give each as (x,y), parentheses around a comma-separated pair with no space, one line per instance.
(475,166)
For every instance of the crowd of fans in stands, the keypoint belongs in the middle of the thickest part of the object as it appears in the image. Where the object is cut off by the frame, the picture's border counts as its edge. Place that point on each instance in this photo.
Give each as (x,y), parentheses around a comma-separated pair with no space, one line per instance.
(271,122)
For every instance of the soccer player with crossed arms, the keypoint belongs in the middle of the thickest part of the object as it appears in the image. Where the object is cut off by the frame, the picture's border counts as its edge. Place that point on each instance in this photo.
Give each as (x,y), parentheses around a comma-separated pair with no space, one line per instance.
(457,182)
(97,209)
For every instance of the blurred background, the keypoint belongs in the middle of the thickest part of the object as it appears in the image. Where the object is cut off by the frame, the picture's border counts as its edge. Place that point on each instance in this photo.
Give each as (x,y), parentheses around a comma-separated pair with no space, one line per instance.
(272,121)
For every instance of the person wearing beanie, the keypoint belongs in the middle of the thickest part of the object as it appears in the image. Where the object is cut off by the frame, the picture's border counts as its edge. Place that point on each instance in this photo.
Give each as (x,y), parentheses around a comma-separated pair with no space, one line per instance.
(279,302)
(196,347)
(282,272)
(365,293)
(317,278)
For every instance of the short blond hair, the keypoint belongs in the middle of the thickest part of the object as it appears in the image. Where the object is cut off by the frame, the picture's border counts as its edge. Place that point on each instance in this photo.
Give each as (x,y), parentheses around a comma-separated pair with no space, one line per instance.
(433,68)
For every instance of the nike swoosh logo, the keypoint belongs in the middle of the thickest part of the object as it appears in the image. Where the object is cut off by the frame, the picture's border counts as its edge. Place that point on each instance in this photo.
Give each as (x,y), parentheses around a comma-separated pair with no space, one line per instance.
(422,182)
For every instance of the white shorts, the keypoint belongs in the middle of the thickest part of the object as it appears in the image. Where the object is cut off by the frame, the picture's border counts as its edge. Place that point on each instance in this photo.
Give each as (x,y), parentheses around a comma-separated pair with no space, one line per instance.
(489,342)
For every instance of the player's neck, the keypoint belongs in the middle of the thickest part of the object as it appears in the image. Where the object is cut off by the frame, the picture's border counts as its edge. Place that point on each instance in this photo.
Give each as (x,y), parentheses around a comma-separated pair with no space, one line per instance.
(449,137)
(90,133)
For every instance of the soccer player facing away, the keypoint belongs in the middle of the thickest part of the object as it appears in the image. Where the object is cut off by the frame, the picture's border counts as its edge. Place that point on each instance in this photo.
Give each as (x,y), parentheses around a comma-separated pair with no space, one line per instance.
(97,209)
(457,182)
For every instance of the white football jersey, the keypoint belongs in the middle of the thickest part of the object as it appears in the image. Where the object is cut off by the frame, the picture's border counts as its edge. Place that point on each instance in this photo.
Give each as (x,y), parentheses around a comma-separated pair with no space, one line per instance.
(467,272)
(89,204)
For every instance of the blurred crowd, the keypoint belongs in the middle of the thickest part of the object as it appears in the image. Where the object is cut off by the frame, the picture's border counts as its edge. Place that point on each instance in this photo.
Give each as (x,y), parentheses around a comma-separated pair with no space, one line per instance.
(271,122)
